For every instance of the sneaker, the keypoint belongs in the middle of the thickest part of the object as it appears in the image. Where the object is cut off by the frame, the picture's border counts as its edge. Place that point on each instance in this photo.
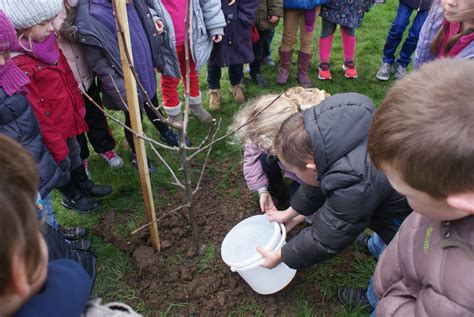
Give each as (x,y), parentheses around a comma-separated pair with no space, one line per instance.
(384,72)
(267,60)
(349,69)
(112,159)
(323,71)
(400,72)
(214,99)
(246,68)
(259,80)
(85,165)
(237,93)
(72,233)
(172,139)
(133,161)
(353,297)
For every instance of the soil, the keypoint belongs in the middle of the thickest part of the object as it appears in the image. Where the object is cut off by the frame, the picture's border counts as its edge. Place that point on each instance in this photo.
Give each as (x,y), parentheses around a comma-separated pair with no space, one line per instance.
(175,280)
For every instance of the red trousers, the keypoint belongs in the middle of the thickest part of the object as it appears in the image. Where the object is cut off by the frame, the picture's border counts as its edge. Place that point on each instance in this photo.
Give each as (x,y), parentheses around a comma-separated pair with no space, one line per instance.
(169,85)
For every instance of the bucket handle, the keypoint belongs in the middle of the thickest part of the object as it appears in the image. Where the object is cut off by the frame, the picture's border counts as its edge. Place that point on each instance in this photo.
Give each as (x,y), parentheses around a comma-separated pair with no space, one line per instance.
(259,262)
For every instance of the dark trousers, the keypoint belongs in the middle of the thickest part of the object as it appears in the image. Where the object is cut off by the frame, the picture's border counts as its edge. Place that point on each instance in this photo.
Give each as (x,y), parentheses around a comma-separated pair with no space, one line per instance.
(71,162)
(160,126)
(258,51)
(267,45)
(275,179)
(395,35)
(214,75)
(99,134)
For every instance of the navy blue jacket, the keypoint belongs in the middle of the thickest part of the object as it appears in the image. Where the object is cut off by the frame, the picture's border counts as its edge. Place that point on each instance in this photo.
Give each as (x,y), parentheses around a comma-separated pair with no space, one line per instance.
(353,194)
(18,121)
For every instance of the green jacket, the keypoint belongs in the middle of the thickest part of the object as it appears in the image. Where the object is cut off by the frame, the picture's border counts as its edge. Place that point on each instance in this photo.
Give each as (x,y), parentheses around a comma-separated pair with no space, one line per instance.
(265,9)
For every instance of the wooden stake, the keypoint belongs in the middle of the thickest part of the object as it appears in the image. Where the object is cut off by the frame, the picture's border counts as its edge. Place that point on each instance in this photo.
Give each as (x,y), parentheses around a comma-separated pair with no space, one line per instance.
(135,119)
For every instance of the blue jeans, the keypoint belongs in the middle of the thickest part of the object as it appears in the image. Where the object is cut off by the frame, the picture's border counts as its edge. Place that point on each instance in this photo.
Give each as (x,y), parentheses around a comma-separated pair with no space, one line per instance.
(395,35)
(267,44)
(214,75)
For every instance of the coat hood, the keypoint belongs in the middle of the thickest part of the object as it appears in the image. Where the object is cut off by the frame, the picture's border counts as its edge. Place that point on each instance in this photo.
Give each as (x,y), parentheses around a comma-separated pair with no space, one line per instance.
(337,126)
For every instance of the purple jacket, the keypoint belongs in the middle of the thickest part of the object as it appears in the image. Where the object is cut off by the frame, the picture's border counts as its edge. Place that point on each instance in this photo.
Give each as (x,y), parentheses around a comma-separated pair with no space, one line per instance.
(253,172)
(236,46)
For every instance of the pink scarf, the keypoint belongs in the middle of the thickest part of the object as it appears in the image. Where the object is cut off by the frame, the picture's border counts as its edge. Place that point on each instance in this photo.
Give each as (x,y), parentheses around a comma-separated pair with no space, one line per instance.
(46,51)
(12,79)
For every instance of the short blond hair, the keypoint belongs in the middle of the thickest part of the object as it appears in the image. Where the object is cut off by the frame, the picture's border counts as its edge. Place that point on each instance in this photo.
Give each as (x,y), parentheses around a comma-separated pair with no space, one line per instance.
(263,129)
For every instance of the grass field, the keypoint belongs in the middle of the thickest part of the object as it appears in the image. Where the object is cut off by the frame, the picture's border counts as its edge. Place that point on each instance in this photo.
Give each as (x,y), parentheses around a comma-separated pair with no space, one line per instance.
(113,265)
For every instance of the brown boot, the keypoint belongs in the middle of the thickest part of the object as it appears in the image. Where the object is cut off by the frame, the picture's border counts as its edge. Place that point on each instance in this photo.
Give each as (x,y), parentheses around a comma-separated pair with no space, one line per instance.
(304,60)
(214,99)
(284,66)
(237,93)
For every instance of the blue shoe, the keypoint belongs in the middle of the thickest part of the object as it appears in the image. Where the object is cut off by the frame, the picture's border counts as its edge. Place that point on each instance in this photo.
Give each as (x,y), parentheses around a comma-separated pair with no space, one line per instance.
(172,138)
(133,160)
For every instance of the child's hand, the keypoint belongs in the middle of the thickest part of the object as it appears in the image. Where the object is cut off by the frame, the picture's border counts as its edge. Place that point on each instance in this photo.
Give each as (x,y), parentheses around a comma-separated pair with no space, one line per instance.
(266,202)
(281,216)
(272,258)
(217,38)
(273,19)
(159,26)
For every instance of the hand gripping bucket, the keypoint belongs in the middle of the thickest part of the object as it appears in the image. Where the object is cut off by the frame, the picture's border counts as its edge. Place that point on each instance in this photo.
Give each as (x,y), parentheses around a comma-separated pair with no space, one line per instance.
(239,252)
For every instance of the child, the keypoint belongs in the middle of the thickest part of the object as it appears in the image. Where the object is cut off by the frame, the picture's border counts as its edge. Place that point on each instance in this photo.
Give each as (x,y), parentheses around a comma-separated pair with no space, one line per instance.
(54,97)
(342,192)
(395,35)
(348,14)
(205,14)
(268,15)
(152,48)
(29,284)
(262,171)
(421,138)
(305,17)
(233,51)
(18,121)
(456,36)
(99,134)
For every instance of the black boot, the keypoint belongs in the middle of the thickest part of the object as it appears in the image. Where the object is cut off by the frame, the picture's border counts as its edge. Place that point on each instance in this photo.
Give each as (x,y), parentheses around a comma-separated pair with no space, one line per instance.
(87,186)
(73,199)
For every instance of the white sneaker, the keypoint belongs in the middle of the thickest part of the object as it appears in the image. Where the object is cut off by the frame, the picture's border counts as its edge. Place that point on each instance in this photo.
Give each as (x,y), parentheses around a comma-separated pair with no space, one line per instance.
(112,159)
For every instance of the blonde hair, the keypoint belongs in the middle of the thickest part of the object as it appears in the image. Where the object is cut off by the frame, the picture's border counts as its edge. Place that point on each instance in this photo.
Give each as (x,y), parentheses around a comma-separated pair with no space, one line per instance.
(263,129)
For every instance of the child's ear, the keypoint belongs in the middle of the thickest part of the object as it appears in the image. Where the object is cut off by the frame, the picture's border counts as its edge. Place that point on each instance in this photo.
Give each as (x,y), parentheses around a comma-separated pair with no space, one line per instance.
(19,277)
(463,201)
(311,165)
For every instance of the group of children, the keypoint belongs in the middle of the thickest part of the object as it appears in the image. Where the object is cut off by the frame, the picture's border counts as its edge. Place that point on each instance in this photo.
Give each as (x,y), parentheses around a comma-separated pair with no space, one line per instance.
(351,167)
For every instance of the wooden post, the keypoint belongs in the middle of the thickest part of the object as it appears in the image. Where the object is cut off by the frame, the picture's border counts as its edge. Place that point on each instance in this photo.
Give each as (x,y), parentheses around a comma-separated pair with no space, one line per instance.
(134,110)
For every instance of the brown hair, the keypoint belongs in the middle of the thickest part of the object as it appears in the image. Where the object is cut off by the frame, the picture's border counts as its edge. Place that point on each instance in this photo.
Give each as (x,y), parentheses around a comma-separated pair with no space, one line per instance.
(424,128)
(19,226)
(465,15)
(292,143)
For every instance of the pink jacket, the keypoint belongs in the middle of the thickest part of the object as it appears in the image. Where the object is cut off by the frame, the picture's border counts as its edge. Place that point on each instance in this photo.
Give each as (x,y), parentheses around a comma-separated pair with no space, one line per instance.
(428,269)
(253,172)
(73,53)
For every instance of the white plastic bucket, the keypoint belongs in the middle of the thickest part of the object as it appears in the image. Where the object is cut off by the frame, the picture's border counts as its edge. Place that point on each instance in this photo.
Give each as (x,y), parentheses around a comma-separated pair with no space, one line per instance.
(238,251)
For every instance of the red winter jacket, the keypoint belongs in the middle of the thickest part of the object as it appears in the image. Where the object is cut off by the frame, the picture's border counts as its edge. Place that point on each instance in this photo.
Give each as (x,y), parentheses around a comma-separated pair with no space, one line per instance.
(54,95)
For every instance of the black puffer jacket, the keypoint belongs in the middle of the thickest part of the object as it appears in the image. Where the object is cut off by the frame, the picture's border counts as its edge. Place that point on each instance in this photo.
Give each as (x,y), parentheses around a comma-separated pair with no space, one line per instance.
(18,121)
(353,194)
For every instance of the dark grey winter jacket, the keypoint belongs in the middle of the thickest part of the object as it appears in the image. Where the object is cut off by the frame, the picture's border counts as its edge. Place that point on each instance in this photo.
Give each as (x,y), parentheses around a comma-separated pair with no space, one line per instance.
(103,55)
(353,194)
(18,121)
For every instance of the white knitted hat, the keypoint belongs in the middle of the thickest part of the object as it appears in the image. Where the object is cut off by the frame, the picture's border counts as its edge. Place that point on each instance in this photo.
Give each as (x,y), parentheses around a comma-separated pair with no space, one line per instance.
(27,13)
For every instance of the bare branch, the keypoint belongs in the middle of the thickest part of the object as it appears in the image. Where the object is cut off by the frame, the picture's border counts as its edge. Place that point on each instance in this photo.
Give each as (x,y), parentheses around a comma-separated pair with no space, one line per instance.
(177,182)
(118,91)
(123,125)
(198,185)
(159,219)
(232,132)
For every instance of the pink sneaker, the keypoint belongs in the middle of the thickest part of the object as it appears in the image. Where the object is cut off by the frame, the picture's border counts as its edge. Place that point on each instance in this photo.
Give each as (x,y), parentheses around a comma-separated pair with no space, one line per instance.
(112,159)
(85,165)
(350,69)
(324,73)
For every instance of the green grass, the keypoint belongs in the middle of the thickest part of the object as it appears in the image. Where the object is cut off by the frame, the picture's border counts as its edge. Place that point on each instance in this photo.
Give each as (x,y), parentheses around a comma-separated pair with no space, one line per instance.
(113,265)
